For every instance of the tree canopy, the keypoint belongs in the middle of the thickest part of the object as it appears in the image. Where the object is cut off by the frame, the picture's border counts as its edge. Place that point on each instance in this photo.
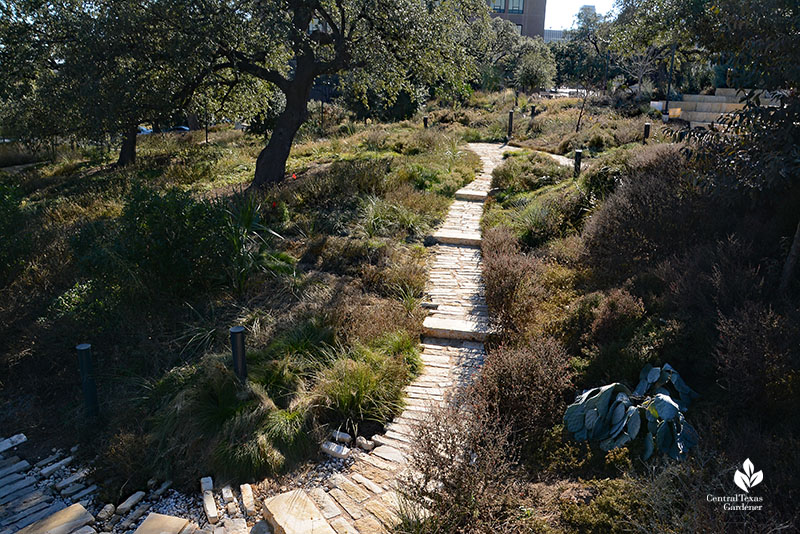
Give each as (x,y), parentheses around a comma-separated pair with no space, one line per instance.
(116,64)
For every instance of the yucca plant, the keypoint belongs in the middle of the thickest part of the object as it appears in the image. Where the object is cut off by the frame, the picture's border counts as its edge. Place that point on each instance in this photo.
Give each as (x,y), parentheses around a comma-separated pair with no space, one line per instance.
(251,247)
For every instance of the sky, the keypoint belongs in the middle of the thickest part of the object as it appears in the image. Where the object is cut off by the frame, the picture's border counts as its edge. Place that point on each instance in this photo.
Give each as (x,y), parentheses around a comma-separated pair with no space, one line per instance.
(560,14)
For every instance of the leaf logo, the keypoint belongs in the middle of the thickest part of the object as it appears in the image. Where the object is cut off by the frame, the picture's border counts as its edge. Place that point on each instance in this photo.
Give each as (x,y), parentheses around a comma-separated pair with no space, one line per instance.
(748,479)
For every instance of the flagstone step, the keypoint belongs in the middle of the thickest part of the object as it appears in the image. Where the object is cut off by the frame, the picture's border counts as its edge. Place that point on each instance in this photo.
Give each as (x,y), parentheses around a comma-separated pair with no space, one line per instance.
(455,329)
(455,237)
(162,524)
(471,194)
(62,521)
(294,512)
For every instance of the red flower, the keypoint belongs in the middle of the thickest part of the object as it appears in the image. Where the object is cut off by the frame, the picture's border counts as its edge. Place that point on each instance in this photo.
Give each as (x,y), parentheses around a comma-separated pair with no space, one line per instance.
(274,204)
(294,176)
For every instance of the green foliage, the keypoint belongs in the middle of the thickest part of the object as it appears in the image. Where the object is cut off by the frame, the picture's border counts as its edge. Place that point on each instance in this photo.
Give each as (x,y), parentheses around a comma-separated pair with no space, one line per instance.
(172,242)
(165,242)
(15,242)
(360,385)
(549,212)
(528,171)
(608,415)
(613,505)
(536,67)
(250,244)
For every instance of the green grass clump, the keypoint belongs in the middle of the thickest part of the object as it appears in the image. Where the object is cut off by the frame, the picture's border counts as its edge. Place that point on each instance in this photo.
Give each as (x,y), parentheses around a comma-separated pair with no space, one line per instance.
(550,212)
(528,171)
(362,385)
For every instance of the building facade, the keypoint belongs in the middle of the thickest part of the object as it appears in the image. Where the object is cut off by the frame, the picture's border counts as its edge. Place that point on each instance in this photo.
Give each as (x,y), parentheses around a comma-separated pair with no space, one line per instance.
(528,15)
(554,36)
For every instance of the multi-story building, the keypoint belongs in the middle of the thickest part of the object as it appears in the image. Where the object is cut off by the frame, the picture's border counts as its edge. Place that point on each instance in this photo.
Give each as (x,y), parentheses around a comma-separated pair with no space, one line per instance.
(554,35)
(528,15)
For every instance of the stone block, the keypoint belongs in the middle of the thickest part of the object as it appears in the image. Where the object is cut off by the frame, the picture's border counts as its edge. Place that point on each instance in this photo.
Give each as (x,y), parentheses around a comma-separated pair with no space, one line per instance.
(130,502)
(294,512)
(335,450)
(210,507)
(247,499)
(161,524)
(61,522)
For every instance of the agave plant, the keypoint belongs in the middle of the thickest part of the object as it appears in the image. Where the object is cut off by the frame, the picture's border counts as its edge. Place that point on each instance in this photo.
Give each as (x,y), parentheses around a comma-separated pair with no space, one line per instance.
(613,416)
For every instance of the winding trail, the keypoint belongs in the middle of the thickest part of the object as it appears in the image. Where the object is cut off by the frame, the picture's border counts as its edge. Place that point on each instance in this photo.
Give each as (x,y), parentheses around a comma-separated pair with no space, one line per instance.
(363,500)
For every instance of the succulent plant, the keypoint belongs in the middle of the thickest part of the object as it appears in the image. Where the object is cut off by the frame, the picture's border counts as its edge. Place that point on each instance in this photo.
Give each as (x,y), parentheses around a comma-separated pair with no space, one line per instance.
(613,416)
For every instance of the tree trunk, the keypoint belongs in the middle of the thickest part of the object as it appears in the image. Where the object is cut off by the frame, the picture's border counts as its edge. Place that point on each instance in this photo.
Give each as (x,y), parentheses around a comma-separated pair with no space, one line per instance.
(127,153)
(193,121)
(583,106)
(271,162)
(791,263)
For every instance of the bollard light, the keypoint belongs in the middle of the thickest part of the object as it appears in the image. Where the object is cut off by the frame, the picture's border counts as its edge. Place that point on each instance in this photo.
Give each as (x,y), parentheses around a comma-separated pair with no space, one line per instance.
(578,156)
(510,122)
(646,132)
(87,379)
(425,121)
(239,355)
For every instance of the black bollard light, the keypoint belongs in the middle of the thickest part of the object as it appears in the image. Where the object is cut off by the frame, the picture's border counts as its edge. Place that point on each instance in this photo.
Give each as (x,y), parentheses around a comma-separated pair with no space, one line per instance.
(87,379)
(646,132)
(533,111)
(578,156)
(510,122)
(237,348)
(425,121)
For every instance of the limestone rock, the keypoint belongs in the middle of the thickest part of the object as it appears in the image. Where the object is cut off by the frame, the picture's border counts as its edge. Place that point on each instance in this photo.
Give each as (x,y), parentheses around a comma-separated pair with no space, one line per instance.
(341,437)
(295,513)
(247,499)
(106,512)
(335,450)
(210,507)
(365,443)
(130,502)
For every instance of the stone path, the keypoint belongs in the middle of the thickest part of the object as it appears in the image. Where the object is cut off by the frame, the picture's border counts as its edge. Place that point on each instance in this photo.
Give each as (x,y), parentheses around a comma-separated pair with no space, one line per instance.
(363,499)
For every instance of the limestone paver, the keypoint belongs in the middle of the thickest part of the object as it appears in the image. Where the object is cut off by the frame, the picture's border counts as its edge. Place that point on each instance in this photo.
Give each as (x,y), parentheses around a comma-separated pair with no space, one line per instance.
(294,512)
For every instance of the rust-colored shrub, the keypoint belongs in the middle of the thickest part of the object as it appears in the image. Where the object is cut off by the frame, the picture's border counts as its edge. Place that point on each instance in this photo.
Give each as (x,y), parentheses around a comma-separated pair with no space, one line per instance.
(758,358)
(527,386)
(652,213)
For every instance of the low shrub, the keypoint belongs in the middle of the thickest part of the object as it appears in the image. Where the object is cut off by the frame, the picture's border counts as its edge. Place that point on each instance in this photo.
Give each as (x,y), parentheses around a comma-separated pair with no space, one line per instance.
(757,337)
(505,271)
(612,506)
(15,240)
(553,212)
(652,212)
(605,173)
(528,385)
(164,242)
(464,478)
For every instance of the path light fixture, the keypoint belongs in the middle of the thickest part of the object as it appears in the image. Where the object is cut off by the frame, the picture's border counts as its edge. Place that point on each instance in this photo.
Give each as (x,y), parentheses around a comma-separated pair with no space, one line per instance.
(87,379)
(238,351)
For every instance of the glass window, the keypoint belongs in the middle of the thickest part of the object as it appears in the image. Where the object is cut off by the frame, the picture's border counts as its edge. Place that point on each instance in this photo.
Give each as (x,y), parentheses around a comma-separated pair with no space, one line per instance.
(498,6)
(519,28)
(516,6)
